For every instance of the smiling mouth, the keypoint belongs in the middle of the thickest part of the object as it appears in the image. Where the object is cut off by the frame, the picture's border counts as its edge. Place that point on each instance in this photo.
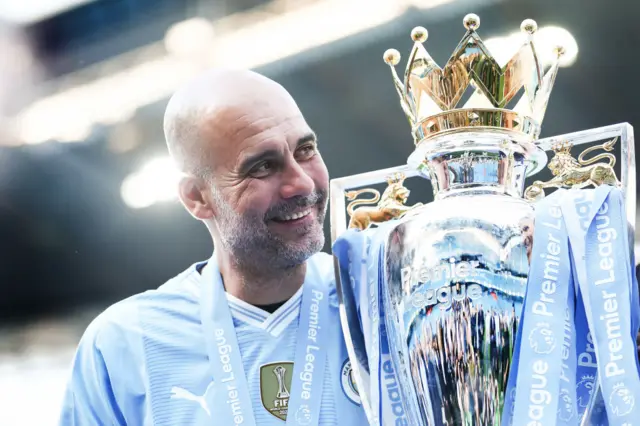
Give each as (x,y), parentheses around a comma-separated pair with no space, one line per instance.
(292,217)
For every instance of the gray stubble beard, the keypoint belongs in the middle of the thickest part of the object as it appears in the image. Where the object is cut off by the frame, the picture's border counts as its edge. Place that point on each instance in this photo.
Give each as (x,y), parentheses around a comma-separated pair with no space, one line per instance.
(256,250)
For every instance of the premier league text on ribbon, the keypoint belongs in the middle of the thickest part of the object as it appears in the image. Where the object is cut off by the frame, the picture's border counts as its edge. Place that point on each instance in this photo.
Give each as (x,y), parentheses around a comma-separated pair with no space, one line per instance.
(393,392)
(544,309)
(588,357)
(307,374)
(551,264)
(606,235)
(224,350)
(608,294)
(566,346)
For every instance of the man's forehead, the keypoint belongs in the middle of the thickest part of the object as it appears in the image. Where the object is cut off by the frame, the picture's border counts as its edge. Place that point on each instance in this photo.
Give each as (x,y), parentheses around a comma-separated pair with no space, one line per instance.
(237,124)
(233,133)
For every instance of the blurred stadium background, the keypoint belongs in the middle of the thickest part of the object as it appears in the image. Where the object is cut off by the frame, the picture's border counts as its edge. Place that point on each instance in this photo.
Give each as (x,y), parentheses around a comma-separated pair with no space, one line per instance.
(87,216)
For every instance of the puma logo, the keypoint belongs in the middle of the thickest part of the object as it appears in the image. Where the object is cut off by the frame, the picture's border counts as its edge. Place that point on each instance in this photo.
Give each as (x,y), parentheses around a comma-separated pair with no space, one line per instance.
(181,393)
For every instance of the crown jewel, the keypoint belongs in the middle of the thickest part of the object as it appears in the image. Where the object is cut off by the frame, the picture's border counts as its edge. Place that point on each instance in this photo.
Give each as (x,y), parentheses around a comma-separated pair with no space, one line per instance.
(430,95)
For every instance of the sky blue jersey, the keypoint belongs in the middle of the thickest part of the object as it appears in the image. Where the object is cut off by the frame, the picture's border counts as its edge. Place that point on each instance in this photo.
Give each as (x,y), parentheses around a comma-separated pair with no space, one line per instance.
(144,360)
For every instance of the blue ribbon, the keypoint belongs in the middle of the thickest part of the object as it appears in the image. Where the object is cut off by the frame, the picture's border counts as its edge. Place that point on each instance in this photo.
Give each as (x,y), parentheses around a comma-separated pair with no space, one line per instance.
(545,311)
(567,410)
(603,319)
(607,296)
(352,250)
(391,408)
(223,351)
(576,208)
(311,354)
(361,256)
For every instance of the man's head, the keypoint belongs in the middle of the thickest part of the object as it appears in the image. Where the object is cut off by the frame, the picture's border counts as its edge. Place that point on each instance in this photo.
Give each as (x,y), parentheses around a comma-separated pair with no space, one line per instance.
(252,170)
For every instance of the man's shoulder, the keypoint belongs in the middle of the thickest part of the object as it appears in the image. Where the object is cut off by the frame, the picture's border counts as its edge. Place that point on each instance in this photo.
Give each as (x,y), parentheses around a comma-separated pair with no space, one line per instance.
(176,298)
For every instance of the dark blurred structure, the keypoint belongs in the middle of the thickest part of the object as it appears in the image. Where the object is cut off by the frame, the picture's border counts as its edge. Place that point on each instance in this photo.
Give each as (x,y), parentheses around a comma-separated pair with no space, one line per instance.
(68,239)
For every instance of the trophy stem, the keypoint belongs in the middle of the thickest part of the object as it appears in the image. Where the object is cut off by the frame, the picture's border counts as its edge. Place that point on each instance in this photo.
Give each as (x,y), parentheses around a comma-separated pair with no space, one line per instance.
(489,162)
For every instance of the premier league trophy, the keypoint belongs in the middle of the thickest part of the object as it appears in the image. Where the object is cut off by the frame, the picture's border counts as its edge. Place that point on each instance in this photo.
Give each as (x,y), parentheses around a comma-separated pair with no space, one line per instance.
(495,304)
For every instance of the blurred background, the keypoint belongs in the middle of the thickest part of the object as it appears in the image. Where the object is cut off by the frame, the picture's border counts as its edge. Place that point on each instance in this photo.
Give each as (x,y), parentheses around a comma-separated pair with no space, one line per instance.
(87,212)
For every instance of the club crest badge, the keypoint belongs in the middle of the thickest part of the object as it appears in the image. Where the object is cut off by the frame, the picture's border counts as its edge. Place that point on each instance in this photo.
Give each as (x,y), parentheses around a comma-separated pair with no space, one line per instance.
(348,382)
(275,386)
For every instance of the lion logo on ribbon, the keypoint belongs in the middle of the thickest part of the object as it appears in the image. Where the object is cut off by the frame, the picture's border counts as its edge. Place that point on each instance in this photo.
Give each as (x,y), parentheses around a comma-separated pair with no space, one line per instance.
(542,339)
(565,405)
(584,389)
(621,400)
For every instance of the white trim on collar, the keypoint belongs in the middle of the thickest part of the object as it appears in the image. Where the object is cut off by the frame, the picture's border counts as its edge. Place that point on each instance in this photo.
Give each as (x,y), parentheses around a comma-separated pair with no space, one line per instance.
(273,323)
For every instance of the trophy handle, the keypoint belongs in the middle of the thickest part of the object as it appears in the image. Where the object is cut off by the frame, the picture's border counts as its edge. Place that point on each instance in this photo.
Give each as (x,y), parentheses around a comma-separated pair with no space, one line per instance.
(622,131)
(339,187)
(571,173)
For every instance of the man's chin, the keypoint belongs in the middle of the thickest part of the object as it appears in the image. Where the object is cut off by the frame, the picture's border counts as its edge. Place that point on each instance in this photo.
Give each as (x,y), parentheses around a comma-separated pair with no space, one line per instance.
(310,239)
(305,245)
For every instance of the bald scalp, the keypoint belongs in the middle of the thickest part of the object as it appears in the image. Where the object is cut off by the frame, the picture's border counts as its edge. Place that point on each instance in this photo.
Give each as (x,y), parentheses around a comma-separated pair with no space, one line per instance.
(202,105)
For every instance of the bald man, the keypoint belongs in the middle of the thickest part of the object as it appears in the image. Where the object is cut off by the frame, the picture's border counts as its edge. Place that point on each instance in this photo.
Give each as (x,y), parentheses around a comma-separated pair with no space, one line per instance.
(250,336)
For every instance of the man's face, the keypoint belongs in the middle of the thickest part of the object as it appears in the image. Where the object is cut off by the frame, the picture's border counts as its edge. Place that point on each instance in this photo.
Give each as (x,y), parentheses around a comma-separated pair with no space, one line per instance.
(269,185)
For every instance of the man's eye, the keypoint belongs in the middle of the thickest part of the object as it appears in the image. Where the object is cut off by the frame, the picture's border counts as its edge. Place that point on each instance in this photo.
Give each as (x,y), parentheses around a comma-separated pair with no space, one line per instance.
(307,151)
(262,169)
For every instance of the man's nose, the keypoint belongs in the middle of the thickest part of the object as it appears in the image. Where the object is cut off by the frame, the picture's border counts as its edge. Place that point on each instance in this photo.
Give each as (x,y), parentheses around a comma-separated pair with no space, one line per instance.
(296,181)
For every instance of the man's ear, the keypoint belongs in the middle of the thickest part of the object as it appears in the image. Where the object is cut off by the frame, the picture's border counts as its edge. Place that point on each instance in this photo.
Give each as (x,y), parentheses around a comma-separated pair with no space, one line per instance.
(195,196)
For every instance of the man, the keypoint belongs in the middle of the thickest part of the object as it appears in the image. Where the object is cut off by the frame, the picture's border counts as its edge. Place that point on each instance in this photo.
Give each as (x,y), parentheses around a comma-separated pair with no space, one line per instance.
(252,335)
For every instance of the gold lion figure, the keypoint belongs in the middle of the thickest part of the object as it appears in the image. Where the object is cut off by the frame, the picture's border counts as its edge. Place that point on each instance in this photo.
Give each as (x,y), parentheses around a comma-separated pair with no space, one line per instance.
(580,173)
(391,205)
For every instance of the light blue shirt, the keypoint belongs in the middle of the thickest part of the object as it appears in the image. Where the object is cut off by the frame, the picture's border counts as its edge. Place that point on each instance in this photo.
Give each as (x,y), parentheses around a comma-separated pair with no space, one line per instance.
(143,361)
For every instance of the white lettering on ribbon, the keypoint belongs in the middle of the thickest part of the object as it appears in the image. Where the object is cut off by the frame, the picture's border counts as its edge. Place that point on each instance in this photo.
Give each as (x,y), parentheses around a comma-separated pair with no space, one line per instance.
(306,376)
(606,235)
(588,357)
(393,393)
(541,338)
(224,351)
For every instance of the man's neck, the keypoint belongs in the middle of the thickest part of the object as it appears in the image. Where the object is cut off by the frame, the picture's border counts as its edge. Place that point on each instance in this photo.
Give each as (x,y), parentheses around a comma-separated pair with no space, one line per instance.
(260,286)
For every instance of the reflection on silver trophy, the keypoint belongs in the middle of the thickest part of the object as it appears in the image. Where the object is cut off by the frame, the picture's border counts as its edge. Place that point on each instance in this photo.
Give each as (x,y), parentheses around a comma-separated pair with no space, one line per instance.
(456,269)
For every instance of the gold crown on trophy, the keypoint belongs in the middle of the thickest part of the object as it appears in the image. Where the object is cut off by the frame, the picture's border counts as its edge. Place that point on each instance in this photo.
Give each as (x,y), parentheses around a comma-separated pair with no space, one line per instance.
(430,95)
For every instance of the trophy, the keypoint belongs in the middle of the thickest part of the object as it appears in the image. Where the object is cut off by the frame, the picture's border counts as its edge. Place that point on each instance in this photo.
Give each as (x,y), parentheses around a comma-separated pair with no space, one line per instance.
(455,270)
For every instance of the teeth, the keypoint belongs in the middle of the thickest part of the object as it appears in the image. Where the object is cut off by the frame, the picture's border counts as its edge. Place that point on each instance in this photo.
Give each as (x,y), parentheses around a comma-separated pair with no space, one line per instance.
(296,215)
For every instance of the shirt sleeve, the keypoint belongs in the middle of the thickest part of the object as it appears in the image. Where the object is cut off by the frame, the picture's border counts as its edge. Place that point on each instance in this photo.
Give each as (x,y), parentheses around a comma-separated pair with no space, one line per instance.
(89,399)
